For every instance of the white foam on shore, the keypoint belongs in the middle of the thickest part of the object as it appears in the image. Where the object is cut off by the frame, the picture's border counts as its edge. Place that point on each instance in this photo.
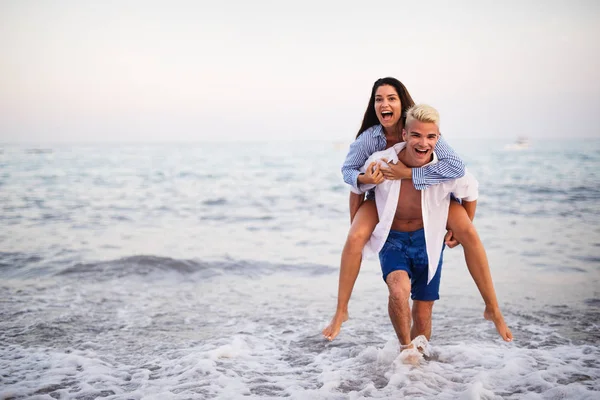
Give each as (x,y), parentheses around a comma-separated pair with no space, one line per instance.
(180,340)
(245,365)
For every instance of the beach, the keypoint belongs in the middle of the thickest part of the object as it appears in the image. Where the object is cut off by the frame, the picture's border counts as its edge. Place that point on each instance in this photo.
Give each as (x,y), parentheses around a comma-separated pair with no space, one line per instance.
(207,271)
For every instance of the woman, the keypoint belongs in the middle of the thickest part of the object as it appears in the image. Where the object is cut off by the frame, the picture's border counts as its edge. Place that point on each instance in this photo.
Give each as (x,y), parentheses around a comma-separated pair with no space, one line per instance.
(382,128)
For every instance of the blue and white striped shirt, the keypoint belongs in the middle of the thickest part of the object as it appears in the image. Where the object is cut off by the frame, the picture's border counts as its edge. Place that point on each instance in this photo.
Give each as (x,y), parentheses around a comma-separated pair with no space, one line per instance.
(450,166)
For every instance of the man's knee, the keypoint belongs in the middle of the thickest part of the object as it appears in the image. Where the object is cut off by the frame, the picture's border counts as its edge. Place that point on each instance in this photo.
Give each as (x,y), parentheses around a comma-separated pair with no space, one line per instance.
(399,287)
(422,313)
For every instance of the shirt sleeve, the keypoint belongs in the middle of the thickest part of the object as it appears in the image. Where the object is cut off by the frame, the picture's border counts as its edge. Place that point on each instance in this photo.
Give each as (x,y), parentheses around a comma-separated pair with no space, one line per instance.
(466,188)
(449,166)
(355,160)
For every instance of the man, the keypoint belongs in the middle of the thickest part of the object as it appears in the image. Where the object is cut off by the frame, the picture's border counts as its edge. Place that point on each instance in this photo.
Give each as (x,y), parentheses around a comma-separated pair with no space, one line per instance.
(412,224)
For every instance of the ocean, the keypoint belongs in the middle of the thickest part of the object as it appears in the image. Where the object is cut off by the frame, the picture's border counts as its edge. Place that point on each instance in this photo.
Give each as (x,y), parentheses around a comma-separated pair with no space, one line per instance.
(208,270)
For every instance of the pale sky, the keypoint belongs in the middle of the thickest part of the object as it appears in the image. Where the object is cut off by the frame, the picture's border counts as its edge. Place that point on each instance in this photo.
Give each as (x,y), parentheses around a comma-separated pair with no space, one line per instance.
(147,71)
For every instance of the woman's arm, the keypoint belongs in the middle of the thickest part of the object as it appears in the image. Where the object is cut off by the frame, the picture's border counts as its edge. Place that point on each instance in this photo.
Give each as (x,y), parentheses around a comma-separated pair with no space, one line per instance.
(359,152)
(449,166)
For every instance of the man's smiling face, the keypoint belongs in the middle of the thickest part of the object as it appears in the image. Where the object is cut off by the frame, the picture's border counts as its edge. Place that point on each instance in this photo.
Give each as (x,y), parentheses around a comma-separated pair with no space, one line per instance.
(420,138)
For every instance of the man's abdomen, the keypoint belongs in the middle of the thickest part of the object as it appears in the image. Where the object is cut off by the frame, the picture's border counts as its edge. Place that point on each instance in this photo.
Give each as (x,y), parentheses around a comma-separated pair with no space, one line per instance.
(408,215)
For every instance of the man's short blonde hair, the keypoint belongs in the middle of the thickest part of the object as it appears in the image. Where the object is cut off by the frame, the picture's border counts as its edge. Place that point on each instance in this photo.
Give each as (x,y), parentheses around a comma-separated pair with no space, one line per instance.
(422,113)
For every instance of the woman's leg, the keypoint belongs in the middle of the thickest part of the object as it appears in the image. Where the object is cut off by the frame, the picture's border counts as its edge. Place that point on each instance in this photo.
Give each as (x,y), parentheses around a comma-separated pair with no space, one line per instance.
(362,227)
(464,231)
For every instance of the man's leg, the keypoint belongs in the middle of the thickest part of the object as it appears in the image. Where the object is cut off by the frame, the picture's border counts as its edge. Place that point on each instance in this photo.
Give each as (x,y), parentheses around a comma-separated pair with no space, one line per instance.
(398,307)
(424,291)
(363,224)
(421,314)
(464,231)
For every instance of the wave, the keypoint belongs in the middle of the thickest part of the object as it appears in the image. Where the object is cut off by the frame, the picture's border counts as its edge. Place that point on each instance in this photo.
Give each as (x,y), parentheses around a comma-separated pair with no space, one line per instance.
(23,266)
(10,260)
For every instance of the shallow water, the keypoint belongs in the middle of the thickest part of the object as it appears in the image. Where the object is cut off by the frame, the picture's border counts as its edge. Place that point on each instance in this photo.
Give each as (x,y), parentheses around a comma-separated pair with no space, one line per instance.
(199,272)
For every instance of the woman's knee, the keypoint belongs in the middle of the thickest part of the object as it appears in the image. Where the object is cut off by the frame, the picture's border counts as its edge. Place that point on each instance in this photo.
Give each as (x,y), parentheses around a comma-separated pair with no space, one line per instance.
(460,223)
(466,234)
(359,236)
(363,225)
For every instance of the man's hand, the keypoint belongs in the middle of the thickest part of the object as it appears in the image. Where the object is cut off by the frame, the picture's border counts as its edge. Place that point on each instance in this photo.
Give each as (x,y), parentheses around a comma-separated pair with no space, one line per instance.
(372,175)
(450,241)
(396,171)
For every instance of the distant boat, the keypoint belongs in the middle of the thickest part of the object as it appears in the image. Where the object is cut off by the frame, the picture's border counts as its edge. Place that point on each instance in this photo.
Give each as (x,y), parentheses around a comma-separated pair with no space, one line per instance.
(521,143)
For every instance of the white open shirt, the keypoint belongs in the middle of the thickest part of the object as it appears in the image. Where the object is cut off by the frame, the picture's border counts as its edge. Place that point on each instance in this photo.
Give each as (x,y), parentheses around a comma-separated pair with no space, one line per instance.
(435,202)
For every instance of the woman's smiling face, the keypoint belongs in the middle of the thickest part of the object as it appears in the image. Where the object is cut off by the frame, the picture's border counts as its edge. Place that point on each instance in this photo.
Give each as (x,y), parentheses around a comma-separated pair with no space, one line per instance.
(388,106)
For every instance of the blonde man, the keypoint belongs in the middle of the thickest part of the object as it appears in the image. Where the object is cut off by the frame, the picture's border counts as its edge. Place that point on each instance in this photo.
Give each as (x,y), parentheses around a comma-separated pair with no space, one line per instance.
(412,224)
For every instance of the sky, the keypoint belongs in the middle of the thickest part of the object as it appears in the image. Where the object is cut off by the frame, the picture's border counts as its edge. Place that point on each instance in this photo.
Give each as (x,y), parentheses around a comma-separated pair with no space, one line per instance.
(164,71)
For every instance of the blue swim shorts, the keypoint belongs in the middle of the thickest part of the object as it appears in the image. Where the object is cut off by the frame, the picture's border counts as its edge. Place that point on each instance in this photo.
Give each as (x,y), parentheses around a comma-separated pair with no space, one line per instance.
(371,194)
(406,251)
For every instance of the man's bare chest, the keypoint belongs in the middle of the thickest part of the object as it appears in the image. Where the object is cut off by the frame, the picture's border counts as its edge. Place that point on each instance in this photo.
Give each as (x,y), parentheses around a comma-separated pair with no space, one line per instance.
(409,202)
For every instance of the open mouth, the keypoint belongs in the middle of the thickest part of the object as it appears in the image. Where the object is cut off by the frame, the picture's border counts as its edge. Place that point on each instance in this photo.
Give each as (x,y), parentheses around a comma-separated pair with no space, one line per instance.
(421,152)
(387,115)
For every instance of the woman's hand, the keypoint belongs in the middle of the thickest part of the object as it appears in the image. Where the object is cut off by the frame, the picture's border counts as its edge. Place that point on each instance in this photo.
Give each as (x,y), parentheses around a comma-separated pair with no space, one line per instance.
(396,171)
(372,175)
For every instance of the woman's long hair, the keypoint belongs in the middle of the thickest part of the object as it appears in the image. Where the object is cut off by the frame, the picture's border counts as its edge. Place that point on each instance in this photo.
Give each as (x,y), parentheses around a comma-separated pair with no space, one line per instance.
(370,119)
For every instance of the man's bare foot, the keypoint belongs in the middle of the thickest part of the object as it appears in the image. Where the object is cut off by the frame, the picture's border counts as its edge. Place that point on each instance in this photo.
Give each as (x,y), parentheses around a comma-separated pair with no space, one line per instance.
(495,315)
(410,354)
(415,351)
(333,329)
(422,344)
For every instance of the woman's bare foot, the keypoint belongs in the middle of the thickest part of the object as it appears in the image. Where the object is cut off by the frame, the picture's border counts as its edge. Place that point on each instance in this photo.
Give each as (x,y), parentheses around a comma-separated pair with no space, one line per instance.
(495,315)
(333,329)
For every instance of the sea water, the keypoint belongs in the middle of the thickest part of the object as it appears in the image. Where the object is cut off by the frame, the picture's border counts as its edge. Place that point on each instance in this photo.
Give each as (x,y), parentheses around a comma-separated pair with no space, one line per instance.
(208,270)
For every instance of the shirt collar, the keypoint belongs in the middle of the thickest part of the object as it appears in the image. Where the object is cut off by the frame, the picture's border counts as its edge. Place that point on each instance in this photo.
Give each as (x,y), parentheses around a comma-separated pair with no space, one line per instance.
(377,131)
